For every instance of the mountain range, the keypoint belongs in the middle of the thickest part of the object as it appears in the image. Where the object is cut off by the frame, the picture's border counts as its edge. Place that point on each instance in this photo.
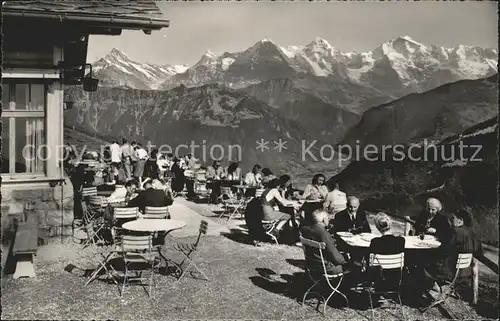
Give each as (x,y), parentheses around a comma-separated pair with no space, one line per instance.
(400,92)
(352,81)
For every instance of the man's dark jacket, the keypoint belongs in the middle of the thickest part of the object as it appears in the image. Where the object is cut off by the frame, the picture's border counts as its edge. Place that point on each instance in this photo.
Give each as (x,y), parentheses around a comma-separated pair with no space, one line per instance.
(333,259)
(150,197)
(342,222)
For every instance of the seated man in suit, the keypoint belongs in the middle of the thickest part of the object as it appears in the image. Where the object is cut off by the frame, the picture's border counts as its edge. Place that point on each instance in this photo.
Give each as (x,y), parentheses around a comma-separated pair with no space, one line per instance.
(151,197)
(334,260)
(351,219)
(432,221)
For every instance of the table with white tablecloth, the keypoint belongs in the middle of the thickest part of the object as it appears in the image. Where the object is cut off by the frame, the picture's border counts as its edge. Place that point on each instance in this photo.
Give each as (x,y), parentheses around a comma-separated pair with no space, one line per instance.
(412,242)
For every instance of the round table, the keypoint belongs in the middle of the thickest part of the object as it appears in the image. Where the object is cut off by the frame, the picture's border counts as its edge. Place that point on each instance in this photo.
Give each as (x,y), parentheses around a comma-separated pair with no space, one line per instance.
(157,225)
(154,225)
(412,242)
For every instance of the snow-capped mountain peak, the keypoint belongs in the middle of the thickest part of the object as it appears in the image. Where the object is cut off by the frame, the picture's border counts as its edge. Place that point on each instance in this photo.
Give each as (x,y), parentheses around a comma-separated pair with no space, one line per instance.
(208,58)
(117,69)
(319,44)
(396,65)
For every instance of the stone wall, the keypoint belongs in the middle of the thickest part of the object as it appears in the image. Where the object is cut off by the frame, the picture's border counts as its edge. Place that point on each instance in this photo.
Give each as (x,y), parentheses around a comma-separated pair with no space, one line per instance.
(51,208)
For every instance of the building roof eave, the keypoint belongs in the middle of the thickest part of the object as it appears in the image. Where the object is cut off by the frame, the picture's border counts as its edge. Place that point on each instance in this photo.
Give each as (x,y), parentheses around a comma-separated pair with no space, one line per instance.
(103,21)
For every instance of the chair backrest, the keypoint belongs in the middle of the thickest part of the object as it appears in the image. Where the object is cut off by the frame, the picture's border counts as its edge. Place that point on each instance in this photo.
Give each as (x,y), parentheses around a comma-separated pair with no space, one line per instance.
(136,243)
(152,212)
(259,191)
(89,191)
(464,260)
(224,190)
(387,261)
(318,246)
(202,231)
(126,212)
(96,201)
(200,176)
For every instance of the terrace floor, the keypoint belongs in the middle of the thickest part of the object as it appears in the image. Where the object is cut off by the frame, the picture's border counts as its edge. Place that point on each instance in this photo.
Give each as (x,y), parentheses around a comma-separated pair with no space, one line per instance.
(246,282)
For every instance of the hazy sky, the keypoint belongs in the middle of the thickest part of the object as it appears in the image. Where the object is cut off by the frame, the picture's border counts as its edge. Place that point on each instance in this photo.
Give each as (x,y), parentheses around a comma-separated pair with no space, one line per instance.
(196,27)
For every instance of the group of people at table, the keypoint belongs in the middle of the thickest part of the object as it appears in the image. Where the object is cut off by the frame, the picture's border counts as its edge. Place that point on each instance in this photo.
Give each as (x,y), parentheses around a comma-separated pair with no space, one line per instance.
(319,213)
(453,233)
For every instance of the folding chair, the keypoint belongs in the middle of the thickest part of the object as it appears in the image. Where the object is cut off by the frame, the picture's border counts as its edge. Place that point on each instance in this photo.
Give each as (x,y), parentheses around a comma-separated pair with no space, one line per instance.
(104,264)
(157,213)
(269,227)
(230,201)
(200,184)
(320,246)
(259,191)
(94,220)
(190,250)
(137,253)
(464,261)
(89,191)
(386,262)
(152,212)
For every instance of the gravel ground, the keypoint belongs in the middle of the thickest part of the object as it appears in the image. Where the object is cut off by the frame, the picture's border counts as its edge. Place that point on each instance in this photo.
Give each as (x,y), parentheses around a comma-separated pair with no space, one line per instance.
(246,282)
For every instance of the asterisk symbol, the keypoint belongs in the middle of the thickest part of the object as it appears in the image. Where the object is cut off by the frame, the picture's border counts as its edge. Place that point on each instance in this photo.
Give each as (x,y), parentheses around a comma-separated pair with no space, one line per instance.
(262,145)
(280,145)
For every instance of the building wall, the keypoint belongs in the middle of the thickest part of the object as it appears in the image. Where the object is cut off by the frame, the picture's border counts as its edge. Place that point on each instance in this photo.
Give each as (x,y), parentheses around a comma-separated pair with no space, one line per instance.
(52,209)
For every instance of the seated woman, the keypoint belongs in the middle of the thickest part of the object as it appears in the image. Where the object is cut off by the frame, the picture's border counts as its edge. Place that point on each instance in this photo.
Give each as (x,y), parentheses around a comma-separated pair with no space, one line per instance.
(316,190)
(270,198)
(233,172)
(253,179)
(432,221)
(285,183)
(461,240)
(267,176)
(385,244)
(335,200)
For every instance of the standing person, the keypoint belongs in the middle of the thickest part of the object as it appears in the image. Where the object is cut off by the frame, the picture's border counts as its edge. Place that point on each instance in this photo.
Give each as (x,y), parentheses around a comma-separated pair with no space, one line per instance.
(178,178)
(127,151)
(116,153)
(151,168)
(142,156)
(133,157)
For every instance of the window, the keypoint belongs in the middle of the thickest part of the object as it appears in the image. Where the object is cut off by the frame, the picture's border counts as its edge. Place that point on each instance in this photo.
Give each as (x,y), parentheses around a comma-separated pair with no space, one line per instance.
(23,134)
